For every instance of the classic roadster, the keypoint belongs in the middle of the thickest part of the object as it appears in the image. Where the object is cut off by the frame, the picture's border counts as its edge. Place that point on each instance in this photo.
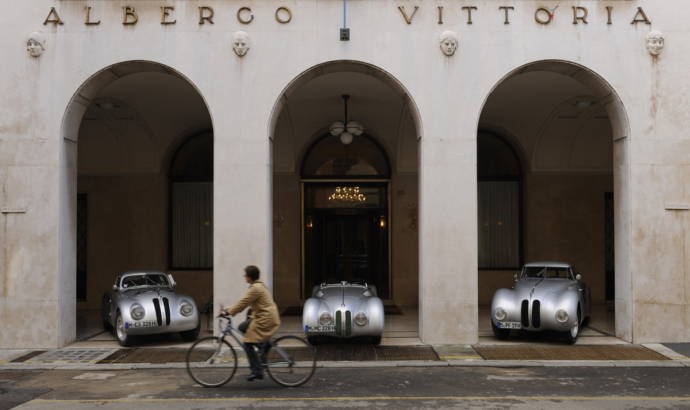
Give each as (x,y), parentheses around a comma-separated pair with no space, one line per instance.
(343,310)
(144,303)
(546,296)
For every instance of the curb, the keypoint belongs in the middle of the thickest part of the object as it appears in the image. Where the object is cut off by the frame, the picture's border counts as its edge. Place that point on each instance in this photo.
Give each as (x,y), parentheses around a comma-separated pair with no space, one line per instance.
(372,364)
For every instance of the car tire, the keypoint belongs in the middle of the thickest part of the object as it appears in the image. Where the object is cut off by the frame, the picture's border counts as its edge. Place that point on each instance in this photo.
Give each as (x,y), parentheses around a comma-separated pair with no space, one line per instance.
(120,332)
(572,334)
(376,340)
(501,334)
(191,335)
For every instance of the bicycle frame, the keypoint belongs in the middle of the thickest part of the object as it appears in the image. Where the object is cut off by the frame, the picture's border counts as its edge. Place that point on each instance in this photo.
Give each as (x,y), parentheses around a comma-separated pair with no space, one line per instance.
(233,332)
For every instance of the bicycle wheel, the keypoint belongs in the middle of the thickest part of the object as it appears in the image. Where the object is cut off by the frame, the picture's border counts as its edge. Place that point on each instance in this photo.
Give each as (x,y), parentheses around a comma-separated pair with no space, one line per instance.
(290,361)
(211,361)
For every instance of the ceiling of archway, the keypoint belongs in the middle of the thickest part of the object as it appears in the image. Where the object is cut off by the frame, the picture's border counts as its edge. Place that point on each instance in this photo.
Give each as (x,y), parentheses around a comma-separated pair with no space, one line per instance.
(558,123)
(311,108)
(133,122)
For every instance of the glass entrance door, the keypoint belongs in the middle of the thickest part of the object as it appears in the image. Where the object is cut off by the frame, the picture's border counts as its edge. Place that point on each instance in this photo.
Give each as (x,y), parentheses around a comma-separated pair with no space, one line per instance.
(346,234)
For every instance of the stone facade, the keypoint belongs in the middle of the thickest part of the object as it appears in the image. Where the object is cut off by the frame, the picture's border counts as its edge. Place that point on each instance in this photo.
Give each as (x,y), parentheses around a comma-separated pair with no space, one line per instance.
(517,63)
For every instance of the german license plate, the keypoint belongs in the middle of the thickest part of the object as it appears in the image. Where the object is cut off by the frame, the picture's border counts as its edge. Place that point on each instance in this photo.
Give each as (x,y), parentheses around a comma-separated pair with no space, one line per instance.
(145,323)
(509,325)
(320,329)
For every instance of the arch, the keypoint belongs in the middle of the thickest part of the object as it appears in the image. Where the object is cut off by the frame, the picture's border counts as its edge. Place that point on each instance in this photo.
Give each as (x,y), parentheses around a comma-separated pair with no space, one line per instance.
(90,87)
(87,93)
(343,66)
(601,96)
(603,89)
(369,154)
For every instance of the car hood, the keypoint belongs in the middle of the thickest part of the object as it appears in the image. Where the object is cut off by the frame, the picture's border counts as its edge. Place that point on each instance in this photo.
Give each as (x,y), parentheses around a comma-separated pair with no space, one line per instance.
(537,288)
(149,292)
(347,296)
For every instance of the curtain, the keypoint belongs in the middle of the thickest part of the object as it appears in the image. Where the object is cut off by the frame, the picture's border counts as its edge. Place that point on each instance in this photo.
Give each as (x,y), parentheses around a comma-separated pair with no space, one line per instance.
(192,225)
(499,224)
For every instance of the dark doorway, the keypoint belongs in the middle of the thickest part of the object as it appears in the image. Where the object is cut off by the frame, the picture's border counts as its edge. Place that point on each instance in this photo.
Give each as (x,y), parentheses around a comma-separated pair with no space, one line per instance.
(609,245)
(82,233)
(346,234)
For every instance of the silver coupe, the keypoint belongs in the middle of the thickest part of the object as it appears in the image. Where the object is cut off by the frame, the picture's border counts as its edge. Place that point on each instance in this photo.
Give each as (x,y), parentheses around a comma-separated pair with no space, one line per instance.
(343,310)
(145,303)
(546,296)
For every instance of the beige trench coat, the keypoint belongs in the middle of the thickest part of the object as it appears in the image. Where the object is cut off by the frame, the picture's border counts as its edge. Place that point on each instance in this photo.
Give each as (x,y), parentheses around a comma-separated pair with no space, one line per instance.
(265,318)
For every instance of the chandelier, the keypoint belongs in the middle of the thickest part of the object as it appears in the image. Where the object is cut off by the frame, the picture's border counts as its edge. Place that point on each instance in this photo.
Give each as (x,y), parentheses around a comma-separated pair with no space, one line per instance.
(347,194)
(345,129)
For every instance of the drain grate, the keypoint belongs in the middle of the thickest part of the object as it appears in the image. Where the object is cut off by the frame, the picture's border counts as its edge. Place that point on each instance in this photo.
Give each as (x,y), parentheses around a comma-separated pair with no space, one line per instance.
(72,356)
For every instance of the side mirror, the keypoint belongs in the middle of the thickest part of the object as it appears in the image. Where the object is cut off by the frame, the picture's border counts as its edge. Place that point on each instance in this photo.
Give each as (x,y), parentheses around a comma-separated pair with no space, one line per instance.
(172,281)
(515,277)
(578,277)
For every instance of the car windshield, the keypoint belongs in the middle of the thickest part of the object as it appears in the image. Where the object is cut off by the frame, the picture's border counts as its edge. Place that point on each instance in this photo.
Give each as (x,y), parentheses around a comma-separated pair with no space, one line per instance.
(546,272)
(145,279)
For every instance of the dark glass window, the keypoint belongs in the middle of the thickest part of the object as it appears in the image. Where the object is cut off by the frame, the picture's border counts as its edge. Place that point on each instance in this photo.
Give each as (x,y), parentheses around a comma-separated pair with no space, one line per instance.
(191,204)
(499,203)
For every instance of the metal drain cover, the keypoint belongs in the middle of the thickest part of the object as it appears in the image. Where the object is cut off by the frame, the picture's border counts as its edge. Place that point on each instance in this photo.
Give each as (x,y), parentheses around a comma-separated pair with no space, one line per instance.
(72,356)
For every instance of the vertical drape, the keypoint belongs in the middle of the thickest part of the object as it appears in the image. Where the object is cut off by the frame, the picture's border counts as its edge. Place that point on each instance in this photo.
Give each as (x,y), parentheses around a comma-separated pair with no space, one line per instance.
(192,225)
(499,224)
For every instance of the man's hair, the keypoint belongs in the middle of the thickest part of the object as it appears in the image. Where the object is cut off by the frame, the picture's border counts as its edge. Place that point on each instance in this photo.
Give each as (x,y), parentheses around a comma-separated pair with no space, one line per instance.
(252,272)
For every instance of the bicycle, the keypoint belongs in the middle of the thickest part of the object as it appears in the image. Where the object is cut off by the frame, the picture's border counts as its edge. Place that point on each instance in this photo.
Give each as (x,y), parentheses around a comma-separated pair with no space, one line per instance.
(289,361)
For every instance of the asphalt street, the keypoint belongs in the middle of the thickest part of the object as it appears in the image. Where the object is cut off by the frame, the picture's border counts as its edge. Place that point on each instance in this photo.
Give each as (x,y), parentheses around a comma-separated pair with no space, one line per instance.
(371,388)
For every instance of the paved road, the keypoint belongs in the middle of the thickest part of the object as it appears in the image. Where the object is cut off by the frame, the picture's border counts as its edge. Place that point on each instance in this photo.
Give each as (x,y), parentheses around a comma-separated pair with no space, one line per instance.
(373,388)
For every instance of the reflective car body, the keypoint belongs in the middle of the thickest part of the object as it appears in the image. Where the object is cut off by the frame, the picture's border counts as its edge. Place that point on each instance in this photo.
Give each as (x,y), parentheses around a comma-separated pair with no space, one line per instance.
(145,303)
(546,296)
(344,310)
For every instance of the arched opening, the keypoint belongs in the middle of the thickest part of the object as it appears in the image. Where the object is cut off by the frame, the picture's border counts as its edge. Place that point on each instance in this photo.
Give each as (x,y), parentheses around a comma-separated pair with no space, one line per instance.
(555,158)
(143,179)
(346,208)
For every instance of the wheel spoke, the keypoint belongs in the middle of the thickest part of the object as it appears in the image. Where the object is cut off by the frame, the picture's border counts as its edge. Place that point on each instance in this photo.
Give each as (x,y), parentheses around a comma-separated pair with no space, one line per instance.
(211,362)
(291,361)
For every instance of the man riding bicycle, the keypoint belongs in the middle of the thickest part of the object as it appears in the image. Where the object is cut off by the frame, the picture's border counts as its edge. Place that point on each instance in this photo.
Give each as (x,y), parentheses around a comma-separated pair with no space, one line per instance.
(264,323)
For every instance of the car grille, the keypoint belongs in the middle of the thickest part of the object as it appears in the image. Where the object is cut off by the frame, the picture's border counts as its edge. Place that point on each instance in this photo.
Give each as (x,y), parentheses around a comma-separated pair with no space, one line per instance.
(536,314)
(167,311)
(157,306)
(343,327)
(525,313)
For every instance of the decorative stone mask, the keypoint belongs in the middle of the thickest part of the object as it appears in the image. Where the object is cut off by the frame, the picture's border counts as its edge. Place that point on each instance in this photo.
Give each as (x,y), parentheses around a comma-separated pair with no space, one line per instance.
(240,43)
(36,44)
(655,42)
(449,43)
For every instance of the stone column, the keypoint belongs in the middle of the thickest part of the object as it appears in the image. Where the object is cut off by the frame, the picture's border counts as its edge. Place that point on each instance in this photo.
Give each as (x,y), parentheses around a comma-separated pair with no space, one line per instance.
(448,237)
(242,206)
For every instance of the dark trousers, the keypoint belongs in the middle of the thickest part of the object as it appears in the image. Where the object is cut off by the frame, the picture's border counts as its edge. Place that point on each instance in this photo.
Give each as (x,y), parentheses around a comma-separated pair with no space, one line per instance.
(253,350)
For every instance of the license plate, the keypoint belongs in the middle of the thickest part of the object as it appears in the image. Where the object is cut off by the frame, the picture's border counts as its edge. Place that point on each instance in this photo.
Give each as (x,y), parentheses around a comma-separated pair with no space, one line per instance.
(320,329)
(146,323)
(509,325)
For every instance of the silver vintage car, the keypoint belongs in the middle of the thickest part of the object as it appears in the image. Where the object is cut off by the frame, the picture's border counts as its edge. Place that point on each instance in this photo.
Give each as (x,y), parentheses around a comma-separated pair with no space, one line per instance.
(344,310)
(546,296)
(145,303)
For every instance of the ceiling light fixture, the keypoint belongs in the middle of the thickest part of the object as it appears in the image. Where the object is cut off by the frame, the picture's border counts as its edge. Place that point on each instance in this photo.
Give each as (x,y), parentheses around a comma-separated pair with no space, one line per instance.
(345,129)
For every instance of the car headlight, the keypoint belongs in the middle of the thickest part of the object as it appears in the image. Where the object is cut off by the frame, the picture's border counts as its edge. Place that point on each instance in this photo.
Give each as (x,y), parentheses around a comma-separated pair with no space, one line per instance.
(500,314)
(137,311)
(186,308)
(361,319)
(562,316)
(325,319)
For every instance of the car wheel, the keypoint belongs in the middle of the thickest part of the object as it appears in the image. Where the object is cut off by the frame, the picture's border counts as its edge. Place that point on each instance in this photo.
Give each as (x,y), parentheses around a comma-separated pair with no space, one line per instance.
(572,334)
(120,332)
(501,334)
(191,335)
(376,340)
(313,340)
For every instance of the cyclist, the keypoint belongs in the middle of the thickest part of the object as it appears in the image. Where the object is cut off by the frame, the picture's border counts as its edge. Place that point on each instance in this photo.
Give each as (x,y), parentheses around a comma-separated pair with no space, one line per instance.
(264,323)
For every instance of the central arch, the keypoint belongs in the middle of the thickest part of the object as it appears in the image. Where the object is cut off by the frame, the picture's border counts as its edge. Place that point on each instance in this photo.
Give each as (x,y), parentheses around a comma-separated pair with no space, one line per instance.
(376,237)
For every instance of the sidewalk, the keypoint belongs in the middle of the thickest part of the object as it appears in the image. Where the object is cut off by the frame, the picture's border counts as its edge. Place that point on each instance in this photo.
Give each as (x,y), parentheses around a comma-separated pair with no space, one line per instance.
(481,355)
